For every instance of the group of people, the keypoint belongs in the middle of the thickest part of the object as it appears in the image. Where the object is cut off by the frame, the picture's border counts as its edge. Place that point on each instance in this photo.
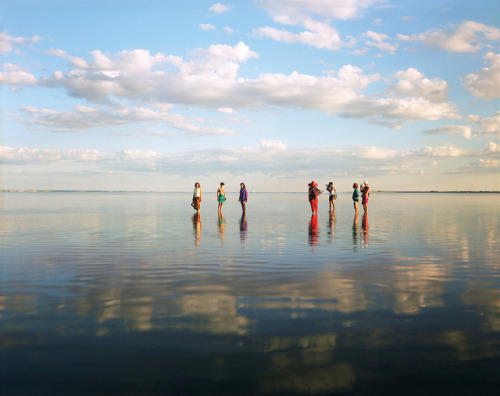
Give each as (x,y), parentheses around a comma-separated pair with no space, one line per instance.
(363,192)
(221,197)
(314,192)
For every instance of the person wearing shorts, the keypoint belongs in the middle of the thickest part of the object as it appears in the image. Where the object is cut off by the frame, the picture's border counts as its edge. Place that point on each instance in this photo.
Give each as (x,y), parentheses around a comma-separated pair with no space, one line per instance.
(333,195)
(355,197)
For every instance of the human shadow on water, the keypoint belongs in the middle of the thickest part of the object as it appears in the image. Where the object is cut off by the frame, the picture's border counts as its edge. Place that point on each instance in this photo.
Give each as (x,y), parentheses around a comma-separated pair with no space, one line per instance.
(243,227)
(197,228)
(364,230)
(313,230)
(355,235)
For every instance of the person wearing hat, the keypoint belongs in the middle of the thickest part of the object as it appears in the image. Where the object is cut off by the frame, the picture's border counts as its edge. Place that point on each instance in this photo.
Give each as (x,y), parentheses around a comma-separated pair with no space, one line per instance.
(314,192)
(365,194)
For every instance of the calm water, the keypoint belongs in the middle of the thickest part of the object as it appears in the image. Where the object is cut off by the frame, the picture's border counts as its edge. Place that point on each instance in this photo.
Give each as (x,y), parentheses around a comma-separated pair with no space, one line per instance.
(132,294)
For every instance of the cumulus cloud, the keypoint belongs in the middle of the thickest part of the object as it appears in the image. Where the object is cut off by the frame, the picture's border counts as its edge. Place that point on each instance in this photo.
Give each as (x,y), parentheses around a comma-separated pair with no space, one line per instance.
(379,41)
(315,16)
(209,78)
(219,8)
(206,26)
(464,130)
(7,42)
(485,83)
(83,117)
(12,75)
(412,82)
(469,36)
(493,147)
(272,145)
(270,157)
(318,34)
(297,10)
(489,126)
(444,151)
(25,155)
(481,127)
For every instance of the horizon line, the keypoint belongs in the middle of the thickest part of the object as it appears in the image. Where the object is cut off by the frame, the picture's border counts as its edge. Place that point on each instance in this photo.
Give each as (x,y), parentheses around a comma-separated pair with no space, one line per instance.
(253,192)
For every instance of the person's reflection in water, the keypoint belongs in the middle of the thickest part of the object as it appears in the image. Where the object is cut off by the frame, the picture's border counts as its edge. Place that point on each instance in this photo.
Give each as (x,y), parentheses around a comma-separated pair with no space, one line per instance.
(313,230)
(221,226)
(364,230)
(331,225)
(243,227)
(197,228)
(355,239)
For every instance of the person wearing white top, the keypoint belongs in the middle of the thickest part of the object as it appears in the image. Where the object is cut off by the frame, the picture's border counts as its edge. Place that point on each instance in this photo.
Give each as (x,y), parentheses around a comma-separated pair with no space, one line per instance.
(333,195)
(196,204)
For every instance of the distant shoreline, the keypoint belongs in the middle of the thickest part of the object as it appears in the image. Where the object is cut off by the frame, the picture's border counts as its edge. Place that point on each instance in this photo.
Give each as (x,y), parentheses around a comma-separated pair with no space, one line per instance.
(253,192)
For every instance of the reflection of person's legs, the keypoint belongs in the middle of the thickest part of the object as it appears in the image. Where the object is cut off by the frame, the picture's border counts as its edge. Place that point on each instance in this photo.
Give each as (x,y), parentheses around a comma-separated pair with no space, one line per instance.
(314,206)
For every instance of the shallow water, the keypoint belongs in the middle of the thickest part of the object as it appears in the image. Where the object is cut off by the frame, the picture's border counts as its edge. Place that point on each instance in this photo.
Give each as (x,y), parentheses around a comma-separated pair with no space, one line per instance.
(126,293)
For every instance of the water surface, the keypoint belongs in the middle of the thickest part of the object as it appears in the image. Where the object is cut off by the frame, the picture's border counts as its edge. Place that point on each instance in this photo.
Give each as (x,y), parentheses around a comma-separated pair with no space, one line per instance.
(130,293)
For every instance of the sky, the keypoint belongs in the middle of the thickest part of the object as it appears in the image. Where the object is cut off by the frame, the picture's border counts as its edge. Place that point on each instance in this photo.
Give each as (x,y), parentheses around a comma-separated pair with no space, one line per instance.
(157,95)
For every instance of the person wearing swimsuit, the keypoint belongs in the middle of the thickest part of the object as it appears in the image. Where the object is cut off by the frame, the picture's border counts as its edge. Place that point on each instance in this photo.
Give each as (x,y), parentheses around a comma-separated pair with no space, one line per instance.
(221,196)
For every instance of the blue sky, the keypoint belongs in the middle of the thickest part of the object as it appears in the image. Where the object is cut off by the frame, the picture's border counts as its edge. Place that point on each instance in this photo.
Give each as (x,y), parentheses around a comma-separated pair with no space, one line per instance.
(155,95)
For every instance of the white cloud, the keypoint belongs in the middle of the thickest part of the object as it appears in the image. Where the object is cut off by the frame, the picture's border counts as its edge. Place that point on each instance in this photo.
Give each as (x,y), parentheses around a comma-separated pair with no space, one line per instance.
(219,8)
(297,10)
(379,40)
(493,147)
(484,127)
(13,75)
(209,79)
(469,36)
(485,83)
(464,130)
(206,26)
(486,163)
(318,34)
(7,42)
(412,82)
(489,126)
(83,118)
(444,151)
(226,110)
(272,145)
(25,154)
(271,157)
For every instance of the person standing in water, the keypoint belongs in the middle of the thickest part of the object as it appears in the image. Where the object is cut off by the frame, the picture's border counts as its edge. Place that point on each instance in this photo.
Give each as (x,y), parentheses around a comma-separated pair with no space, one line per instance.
(365,194)
(196,204)
(333,195)
(243,197)
(314,192)
(221,196)
(355,197)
